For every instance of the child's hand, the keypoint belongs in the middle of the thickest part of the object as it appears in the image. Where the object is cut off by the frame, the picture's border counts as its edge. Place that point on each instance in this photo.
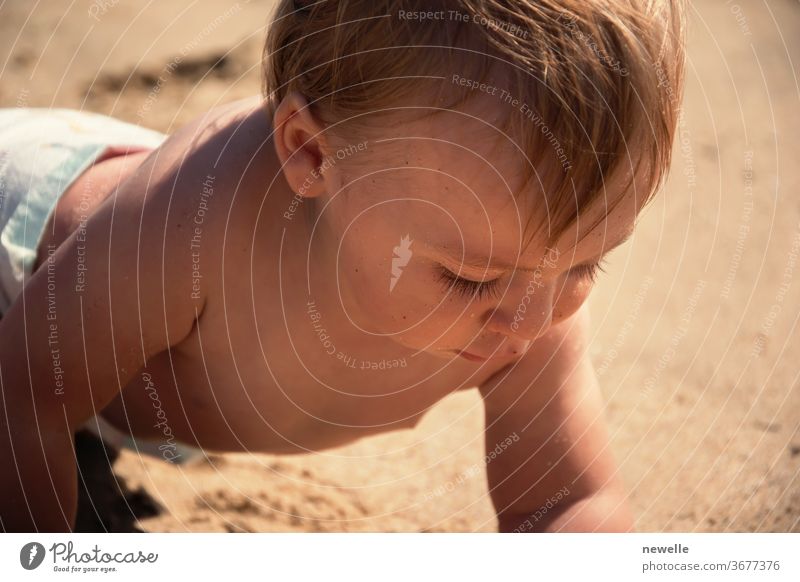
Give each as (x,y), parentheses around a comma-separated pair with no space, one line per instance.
(70,342)
(556,471)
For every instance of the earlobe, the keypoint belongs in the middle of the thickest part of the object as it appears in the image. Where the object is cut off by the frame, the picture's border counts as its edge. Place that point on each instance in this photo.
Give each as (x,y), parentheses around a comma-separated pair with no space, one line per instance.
(298,143)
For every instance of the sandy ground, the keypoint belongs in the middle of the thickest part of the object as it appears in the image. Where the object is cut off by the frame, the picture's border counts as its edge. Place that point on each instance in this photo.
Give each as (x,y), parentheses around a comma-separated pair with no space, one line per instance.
(696,323)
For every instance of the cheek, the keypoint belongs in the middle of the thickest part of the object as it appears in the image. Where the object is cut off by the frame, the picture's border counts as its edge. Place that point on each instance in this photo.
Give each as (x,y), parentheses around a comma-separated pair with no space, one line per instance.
(416,298)
(572,296)
(417,308)
(390,294)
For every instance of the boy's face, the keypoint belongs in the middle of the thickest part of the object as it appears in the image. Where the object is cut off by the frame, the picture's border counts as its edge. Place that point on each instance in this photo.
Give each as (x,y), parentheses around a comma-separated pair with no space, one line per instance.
(427,236)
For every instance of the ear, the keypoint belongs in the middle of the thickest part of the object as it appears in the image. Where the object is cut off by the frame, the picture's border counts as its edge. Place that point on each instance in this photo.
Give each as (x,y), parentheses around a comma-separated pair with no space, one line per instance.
(299,143)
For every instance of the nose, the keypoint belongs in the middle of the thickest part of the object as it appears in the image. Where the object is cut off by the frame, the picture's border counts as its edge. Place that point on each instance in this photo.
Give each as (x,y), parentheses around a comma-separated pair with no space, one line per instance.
(523,318)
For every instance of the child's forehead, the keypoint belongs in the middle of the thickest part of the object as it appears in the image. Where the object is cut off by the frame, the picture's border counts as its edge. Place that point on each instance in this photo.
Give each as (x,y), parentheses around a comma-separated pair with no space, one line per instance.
(466,159)
(463,149)
(488,185)
(473,140)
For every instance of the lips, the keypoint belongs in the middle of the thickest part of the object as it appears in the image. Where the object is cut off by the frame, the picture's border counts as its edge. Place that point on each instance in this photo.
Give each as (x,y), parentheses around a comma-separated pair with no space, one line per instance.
(498,354)
(470,357)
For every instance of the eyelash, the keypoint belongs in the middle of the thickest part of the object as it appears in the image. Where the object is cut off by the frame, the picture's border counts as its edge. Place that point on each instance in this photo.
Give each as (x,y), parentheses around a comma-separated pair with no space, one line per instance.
(465,287)
(481,289)
(589,272)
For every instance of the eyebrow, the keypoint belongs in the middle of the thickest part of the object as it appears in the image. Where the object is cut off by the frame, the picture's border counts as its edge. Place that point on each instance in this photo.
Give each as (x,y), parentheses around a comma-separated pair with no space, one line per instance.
(486,264)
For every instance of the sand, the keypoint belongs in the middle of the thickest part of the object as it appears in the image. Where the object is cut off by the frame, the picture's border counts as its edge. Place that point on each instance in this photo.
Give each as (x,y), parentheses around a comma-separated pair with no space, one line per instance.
(696,323)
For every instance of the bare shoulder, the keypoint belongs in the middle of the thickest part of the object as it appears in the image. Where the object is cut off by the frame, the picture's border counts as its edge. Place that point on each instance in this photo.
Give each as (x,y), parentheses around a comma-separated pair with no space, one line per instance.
(137,293)
(188,188)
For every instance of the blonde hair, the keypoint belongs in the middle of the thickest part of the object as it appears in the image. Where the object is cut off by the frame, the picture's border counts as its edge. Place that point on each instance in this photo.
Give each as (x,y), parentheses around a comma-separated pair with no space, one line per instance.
(601,79)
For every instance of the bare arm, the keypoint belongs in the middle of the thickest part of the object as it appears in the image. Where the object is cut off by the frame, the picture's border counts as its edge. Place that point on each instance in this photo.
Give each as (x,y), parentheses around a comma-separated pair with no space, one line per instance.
(556,473)
(67,346)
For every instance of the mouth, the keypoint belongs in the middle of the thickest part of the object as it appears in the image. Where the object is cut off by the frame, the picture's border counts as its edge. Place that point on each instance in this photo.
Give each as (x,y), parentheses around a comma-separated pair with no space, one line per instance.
(470,357)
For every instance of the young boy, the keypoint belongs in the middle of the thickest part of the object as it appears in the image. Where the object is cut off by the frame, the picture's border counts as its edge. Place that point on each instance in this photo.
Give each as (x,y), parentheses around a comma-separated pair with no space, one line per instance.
(419,206)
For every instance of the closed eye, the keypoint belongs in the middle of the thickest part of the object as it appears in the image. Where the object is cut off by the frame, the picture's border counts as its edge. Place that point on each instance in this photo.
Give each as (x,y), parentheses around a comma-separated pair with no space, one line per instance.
(588,272)
(467,288)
